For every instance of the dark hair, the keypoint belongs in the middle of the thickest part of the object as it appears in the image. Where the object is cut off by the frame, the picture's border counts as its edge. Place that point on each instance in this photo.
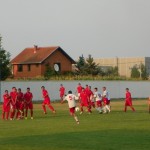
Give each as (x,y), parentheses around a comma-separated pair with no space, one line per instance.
(42,87)
(96,88)
(69,92)
(28,88)
(19,89)
(127,88)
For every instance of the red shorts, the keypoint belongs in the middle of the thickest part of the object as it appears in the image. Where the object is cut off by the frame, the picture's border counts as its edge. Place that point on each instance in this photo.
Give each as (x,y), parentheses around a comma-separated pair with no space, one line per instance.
(99,103)
(108,102)
(18,105)
(6,108)
(61,95)
(105,100)
(84,104)
(46,102)
(29,106)
(92,104)
(72,110)
(128,103)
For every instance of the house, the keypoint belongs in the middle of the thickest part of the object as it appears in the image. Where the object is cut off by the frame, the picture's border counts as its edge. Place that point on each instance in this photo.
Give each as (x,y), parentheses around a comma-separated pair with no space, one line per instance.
(124,64)
(32,62)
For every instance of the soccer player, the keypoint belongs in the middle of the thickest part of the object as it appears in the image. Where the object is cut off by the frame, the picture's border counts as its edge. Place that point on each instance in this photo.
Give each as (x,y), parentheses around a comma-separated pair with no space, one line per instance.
(20,104)
(13,95)
(98,98)
(84,101)
(91,98)
(70,98)
(62,91)
(128,100)
(106,100)
(79,89)
(6,105)
(46,101)
(28,103)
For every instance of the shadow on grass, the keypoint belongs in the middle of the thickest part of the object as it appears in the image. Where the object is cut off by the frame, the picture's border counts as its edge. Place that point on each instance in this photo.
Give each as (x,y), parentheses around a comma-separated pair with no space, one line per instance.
(96,140)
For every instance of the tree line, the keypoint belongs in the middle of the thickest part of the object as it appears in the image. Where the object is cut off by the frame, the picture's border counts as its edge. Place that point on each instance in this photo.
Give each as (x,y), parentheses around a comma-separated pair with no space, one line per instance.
(83,67)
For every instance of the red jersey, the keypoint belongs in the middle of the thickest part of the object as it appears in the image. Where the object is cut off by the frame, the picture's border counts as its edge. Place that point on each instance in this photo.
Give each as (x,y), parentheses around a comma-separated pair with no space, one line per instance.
(128,101)
(45,95)
(62,90)
(79,89)
(13,97)
(84,98)
(28,97)
(20,97)
(6,102)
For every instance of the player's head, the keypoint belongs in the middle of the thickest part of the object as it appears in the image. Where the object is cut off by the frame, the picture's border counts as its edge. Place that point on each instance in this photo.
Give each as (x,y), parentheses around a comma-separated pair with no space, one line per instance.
(28,89)
(19,89)
(14,89)
(69,92)
(61,84)
(42,87)
(104,88)
(86,85)
(6,91)
(95,89)
(79,83)
(127,89)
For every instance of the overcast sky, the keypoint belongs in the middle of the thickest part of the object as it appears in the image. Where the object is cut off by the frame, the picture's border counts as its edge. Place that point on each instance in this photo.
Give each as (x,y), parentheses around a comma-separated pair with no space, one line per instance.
(103,28)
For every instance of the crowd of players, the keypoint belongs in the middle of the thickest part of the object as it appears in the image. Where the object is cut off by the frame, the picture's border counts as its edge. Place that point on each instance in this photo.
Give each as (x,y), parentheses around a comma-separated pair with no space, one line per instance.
(16,103)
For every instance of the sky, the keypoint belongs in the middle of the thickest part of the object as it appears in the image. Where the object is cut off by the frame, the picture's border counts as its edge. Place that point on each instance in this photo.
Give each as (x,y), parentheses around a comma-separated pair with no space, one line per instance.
(102,28)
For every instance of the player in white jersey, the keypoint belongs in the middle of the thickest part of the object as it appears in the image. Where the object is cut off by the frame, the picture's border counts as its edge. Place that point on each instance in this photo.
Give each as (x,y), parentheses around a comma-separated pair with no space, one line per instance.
(71,98)
(98,99)
(106,100)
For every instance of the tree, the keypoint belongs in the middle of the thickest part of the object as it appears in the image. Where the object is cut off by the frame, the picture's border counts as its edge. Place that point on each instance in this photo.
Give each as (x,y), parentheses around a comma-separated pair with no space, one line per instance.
(135,72)
(5,70)
(48,72)
(91,67)
(80,65)
(144,74)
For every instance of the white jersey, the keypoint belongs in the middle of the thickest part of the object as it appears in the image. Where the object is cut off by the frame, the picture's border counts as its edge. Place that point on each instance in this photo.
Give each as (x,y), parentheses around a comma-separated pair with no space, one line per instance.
(97,96)
(71,100)
(105,94)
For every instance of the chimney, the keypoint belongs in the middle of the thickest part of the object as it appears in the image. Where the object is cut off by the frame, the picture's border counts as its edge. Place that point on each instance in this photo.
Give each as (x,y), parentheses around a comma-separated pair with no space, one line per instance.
(35,48)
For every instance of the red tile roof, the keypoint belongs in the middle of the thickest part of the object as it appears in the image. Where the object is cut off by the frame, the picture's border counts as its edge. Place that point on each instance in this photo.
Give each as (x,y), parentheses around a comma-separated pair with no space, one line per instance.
(37,55)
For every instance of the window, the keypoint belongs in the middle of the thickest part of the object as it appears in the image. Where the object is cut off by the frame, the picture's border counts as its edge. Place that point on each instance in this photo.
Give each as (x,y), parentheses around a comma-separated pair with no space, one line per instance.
(57,67)
(29,67)
(20,68)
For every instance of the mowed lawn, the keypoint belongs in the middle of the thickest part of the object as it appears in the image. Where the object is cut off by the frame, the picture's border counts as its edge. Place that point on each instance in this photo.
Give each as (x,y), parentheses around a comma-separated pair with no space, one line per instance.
(114,131)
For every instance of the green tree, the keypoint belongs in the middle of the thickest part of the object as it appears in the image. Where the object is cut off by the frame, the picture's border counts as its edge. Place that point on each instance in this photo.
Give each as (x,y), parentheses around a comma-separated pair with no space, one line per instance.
(48,72)
(80,65)
(144,74)
(135,73)
(5,70)
(91,67)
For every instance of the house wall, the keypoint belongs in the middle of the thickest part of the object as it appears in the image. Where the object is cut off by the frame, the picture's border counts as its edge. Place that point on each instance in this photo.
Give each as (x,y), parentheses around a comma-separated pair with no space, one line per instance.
(58,57)
(34,72)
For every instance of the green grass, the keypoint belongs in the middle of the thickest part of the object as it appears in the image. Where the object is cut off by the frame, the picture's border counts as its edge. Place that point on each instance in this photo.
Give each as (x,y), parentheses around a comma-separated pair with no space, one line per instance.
(114,131)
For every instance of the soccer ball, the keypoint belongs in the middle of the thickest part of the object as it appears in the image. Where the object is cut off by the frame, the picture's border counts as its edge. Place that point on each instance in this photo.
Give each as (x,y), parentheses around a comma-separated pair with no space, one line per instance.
(77,109)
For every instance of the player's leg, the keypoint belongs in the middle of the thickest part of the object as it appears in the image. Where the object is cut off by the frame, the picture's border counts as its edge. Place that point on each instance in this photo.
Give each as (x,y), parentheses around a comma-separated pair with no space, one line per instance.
(3,115)
(31,113)
(72,112)
(125,108)
(26,112)
(132,108)
(81,108)
(44,108)
(51,108)
(7,115)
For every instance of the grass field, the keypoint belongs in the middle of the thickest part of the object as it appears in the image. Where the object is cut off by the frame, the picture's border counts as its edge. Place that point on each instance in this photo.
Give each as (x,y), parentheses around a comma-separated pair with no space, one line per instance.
(114,131)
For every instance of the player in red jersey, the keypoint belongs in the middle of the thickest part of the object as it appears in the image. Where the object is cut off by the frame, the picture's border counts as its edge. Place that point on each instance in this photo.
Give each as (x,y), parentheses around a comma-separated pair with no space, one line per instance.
(13,95)
(72,104)
(28,103)
(91,98)
(46,101)
(6,105)
(62,91)
(128,100)
(84,101)
(20,104)
(79,89)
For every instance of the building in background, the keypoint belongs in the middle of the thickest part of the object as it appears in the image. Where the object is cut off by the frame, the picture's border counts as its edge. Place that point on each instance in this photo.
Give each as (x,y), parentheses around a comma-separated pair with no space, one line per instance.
(125,64)
(32,62)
